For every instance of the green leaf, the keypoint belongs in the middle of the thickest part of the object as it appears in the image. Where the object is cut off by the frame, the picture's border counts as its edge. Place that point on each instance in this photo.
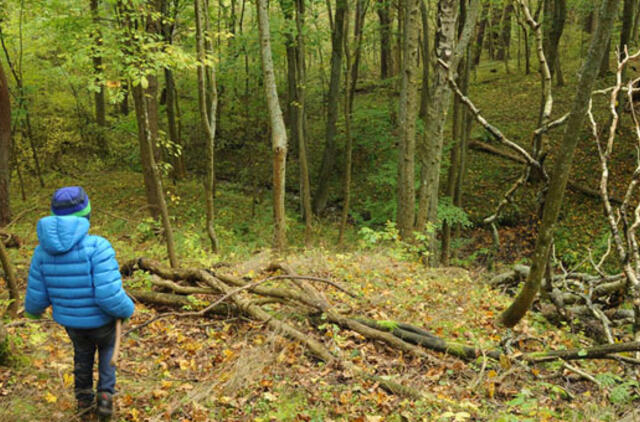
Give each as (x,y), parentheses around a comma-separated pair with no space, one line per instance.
(144,82)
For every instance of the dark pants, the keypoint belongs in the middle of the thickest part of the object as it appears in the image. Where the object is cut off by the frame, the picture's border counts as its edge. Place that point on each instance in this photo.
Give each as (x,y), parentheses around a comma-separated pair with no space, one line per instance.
(85,343)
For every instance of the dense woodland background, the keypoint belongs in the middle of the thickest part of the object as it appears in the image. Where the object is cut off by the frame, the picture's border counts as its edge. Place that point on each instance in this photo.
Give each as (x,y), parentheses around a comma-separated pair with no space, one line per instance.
(433,157)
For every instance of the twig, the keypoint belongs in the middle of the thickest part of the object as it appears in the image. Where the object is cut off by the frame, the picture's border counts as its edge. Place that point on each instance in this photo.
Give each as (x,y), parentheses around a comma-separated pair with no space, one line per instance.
(582,373)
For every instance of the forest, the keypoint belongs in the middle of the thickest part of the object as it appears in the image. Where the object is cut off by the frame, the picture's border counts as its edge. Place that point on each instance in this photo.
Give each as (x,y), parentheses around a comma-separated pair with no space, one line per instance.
(339,210)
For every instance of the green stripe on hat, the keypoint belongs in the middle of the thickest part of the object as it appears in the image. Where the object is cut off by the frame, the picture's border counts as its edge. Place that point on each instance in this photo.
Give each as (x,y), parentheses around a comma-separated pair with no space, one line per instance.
(82,213)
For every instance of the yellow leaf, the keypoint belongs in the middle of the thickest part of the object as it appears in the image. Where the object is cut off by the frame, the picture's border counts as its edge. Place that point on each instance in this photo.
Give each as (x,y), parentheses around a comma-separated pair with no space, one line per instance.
(50,398)
(67,379)
(158,394)
(133,414)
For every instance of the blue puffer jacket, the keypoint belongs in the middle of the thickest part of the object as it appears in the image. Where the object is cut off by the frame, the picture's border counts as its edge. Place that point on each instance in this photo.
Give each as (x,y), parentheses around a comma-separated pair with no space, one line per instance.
(77,274)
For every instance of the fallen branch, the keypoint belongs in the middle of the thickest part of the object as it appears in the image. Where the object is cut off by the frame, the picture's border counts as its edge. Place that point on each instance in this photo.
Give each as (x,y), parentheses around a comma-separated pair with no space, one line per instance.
(597,352)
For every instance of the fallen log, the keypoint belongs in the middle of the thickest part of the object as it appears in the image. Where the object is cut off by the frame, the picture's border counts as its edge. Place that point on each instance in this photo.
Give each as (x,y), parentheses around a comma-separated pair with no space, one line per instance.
(432,342)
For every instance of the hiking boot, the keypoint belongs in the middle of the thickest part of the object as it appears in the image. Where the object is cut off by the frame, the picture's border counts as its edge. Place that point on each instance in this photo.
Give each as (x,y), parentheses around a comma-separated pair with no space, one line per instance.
(105,404)
(84,405)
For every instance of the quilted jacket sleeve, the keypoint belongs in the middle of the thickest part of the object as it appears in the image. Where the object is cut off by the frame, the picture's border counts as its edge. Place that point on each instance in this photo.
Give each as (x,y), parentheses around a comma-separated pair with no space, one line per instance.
(37,298)
(109,294)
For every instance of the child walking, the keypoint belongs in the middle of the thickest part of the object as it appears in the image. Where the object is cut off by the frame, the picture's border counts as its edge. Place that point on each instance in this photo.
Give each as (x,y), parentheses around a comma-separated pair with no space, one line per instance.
(78,275)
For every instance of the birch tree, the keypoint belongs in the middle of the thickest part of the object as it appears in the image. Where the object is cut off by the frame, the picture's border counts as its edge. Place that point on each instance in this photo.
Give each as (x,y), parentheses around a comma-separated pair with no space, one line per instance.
(449,50)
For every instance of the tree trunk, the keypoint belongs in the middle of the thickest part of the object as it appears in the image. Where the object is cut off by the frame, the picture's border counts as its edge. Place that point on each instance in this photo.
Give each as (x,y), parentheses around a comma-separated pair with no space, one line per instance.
(5,149)
(426,60)
(179,171)
(12,282)
(625,36)
(555,15)
(123,107)
(458,133)
(152,176)
(430,151)
(636,22)
(305,185)
(562,166)
(99,97)
(407,114)
(351,79)
(278,131)
(604,64)
(170,13)
(481,33)
(385,38)
(502,52)
(139,100)
(208,104)
(329,155)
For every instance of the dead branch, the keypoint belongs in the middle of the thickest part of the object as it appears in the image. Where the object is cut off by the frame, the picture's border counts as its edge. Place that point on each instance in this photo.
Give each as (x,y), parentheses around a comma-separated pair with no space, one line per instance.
(597,352)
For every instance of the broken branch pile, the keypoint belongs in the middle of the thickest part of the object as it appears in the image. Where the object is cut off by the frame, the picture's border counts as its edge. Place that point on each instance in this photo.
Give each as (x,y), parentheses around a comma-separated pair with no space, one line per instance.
(223,294)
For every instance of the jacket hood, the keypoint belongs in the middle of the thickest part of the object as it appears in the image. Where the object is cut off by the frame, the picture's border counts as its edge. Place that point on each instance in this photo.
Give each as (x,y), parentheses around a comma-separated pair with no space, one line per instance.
(58,235)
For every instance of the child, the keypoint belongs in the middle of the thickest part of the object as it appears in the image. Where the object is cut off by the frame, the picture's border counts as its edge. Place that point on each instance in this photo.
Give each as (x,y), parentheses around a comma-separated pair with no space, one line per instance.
(77,274)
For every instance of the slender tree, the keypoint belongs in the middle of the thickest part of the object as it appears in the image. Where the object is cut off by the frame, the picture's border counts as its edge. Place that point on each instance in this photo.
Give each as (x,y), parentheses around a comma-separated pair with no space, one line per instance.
(407,121)
(5,149)
(384,15)
(351,79)
(329,156)
(145,101)
(562,165)
(305,184)
(208,103)
(278,130)
(555,16)
(98,71)
(170,15)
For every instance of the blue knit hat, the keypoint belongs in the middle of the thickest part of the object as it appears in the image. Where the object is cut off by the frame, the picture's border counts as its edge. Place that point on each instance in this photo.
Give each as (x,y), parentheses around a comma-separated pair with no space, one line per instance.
(71,201)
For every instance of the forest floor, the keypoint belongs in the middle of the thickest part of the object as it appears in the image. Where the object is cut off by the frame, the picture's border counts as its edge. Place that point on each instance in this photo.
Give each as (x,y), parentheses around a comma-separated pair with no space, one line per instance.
(235,369)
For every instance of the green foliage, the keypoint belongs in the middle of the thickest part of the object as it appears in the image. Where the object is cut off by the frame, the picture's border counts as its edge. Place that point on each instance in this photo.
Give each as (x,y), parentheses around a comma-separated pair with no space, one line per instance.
(452,214)
(389,237)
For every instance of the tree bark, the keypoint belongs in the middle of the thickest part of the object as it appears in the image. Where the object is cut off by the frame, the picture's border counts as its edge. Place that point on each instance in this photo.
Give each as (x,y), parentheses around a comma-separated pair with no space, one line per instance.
(99,97)
(407,114)
(5,149)
(430,151)
(426,60)
(12,281)
(351,78)
(555,15)
(481,33)
(207,104)
(604,63)
(384,15)
(305,184)
(560,174)
(278,131)
(502,52)
(329,156)
(139,100)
